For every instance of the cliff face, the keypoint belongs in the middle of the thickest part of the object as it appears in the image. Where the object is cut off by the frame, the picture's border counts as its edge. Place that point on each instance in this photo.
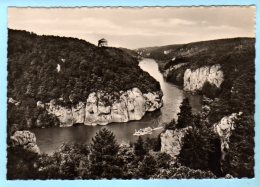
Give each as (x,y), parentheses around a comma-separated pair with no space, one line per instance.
(195,79)
(49,72)
(172,140)
(224,129)
(102,108)
(26,139)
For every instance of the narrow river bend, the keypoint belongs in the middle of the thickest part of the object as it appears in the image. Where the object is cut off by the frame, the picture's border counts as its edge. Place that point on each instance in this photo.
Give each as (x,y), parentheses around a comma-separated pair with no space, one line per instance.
(49,139)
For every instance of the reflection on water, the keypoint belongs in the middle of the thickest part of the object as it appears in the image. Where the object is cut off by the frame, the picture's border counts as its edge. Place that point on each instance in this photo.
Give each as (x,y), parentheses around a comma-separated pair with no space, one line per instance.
(51,138)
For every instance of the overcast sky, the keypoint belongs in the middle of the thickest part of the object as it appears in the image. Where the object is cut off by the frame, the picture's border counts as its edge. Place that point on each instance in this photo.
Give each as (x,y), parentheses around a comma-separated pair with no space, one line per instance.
(137,27)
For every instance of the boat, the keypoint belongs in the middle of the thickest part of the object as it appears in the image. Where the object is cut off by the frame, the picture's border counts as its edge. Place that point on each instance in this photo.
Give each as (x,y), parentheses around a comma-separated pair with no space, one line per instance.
(144,131)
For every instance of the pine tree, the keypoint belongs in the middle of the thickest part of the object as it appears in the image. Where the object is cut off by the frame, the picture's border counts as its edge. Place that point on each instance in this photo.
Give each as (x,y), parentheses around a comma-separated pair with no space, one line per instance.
(148,167)
(139,148)
(103,156)
(171,125)
(185,115)
(197,148)
(240,160)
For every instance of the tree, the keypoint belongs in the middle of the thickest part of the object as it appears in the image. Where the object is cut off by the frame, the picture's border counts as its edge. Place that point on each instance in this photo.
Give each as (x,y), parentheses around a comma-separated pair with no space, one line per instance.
(197,148)
(163,160)
(182,172)
(103,156)
(139,148)
(148,167)
(157,143)
(69,162)
(21,164)
(185,115)
(240,158)
(171,125)
(210,90)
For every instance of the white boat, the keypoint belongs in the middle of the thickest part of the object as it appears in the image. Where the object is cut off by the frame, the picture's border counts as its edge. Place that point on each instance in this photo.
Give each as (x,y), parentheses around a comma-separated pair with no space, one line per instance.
(144,131)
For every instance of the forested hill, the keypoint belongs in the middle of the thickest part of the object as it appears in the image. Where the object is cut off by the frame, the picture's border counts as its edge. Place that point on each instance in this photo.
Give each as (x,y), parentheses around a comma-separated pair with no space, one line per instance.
(51,67)
(193,66)
(202,51)
(66,70)
(236,56)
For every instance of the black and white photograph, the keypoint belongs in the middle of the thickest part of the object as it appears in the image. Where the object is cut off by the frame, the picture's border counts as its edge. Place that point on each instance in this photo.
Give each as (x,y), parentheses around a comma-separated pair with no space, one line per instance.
(131,92)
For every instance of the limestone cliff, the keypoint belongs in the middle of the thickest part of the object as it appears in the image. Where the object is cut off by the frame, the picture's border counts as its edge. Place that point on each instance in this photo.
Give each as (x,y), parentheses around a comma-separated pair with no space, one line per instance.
(224,129)
(172,140)
(101,108)
(26,139)
(195,79)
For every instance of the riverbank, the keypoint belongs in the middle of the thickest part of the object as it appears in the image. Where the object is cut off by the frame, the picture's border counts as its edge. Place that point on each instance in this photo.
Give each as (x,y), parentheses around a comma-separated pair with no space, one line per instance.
(49,139)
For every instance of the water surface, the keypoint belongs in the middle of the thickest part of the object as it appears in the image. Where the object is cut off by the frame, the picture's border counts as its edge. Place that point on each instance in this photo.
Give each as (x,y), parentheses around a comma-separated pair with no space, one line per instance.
(49,139)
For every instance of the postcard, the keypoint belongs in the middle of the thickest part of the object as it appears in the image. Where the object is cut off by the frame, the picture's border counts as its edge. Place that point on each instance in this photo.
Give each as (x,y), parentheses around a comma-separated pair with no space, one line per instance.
(154,93)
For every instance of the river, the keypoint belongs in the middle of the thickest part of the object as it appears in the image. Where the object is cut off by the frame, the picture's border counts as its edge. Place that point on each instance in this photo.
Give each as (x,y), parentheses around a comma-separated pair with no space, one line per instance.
(49,139)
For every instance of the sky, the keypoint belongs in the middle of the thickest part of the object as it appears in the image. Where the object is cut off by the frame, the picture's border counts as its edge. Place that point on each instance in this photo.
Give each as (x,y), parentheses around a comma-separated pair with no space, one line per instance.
(137,27)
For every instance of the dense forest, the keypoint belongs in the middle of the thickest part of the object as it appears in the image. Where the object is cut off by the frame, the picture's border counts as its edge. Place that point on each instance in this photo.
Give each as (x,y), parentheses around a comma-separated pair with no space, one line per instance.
(236,94)
(105,158)
(42,68)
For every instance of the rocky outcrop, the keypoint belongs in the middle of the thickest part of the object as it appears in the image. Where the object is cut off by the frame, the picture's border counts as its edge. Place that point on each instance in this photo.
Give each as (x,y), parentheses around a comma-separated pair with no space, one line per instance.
(13,101)
(172,68)
(172,141)
(102,108)
(64,114)
(26,139)
(224,130)
(195,79)
(78,113)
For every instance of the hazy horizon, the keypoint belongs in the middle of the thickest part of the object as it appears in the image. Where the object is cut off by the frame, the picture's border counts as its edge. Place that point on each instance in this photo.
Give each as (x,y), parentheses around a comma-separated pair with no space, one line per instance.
(137,27)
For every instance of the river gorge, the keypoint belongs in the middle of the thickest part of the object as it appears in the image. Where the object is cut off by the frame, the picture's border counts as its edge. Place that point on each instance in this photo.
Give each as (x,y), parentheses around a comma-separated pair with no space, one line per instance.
(49,139)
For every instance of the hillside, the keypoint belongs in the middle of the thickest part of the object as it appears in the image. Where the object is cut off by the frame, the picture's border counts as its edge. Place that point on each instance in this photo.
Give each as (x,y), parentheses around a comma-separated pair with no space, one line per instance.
(235,57)
(67,70)
(224,71)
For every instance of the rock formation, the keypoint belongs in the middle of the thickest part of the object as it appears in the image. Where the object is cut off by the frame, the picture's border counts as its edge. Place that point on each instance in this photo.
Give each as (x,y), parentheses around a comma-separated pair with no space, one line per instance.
(195,79)
(26,139)
(224,129)
(172,68)
(172,141)
(13,101)
(102,108)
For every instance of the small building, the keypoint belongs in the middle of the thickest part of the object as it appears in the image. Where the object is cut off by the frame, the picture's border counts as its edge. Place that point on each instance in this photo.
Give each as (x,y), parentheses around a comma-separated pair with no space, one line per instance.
(102,42)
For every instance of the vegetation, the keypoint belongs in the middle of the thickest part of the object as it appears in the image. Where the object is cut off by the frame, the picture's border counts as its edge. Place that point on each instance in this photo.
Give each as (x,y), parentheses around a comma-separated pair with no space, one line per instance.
(139,148)
(103,159)
(236,57)
(185,115)
(104,156)
(236,94)
(21,164)
(240,161)
(198,148)
(211,90)
(84,68)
